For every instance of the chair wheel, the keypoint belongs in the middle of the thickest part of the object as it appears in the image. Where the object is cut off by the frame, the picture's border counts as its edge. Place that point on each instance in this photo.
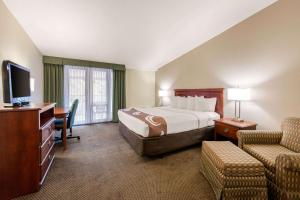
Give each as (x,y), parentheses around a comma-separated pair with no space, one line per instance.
(78,137)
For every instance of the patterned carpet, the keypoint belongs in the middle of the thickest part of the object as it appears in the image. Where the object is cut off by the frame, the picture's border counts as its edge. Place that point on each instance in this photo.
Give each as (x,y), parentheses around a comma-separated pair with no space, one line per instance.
(102,165)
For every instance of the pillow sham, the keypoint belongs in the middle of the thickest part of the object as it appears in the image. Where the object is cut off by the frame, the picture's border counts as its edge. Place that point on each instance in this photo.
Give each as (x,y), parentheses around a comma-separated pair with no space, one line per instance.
(182,102)
(211,104)
(190,103)
(173,101)
(200,104)
(205,104)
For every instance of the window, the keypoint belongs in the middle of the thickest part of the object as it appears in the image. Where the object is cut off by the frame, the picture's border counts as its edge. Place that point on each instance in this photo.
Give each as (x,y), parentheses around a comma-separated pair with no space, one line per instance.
(93,88)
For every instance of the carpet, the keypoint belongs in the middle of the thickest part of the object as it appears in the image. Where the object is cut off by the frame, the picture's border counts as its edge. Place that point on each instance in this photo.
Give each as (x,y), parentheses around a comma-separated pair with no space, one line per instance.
(102,165)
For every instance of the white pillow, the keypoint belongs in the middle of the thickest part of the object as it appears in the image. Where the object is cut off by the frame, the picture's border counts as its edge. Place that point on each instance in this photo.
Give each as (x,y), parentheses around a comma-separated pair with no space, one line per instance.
(182,102)
(190,103)
(200,104)
(211,104)
(205,104)
(174,101)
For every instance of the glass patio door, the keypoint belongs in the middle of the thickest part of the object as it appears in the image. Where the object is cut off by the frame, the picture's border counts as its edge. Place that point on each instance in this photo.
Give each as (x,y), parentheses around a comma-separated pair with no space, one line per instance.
(93,88)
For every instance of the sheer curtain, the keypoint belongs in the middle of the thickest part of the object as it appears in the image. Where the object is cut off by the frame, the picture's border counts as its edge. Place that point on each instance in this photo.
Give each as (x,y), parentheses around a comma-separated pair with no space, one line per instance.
(93,88)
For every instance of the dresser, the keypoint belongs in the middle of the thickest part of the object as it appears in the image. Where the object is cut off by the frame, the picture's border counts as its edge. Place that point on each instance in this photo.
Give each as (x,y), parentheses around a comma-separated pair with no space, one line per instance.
(26,148)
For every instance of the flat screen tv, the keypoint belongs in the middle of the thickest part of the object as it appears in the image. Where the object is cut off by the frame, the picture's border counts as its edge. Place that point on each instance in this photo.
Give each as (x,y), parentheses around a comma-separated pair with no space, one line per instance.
(16,83)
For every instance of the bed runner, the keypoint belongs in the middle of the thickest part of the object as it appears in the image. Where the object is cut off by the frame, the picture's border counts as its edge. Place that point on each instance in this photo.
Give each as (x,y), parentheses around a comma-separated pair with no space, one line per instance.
(157,125)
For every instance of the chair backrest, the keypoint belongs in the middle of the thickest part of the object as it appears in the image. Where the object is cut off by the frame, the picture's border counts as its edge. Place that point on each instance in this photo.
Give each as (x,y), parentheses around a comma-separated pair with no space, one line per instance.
(291,134)
(72,113)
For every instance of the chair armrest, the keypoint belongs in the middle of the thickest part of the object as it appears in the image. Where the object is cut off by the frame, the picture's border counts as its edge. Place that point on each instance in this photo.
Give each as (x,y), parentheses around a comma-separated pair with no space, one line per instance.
(258,137)
(289,162)
(288,173)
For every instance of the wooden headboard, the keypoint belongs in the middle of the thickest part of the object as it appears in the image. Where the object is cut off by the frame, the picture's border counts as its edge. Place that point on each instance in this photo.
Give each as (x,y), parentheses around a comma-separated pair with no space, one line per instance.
(208,93)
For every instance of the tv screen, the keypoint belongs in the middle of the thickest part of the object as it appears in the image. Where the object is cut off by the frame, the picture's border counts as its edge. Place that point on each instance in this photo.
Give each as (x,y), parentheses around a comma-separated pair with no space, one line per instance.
(20,82)
(16,83)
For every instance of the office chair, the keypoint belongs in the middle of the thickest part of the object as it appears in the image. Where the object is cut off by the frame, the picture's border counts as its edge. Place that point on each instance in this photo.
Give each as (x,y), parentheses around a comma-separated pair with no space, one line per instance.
(70,121)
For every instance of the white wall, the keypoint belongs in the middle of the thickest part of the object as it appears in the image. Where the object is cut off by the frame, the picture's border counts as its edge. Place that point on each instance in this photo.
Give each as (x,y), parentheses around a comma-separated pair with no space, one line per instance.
(15,45)
(261,53)
(140,88)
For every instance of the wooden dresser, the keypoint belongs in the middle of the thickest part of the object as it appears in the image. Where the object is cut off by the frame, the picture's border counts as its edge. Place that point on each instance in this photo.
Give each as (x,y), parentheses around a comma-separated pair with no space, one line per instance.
(26,148)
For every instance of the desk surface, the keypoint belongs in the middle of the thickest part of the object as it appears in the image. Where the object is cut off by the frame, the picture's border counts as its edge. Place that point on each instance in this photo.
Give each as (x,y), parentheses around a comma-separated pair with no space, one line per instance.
(61,111)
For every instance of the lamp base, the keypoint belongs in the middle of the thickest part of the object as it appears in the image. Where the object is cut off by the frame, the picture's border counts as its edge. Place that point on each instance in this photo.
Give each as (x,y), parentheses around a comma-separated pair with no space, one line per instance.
(238,120)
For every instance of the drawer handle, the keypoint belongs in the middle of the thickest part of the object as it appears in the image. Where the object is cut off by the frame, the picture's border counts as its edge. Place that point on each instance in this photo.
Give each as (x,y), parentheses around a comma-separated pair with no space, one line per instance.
(226,130)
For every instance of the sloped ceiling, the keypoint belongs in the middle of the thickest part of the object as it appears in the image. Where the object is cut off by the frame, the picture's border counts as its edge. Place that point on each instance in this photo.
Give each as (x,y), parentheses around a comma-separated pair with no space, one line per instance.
(142,34)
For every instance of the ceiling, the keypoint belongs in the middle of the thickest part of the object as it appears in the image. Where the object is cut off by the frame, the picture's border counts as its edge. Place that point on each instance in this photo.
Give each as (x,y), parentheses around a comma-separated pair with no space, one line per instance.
(142,34)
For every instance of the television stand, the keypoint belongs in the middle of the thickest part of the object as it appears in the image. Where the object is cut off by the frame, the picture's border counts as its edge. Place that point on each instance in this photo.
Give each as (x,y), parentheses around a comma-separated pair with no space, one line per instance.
(27,148)
(15,105)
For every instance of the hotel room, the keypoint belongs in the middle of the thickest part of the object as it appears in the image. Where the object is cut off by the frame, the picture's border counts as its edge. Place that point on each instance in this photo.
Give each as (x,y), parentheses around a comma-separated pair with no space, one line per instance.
(111,99)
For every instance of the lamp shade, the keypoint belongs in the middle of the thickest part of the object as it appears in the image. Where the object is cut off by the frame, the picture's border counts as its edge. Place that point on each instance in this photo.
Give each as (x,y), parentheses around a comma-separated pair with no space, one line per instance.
(163,93)
(238,94)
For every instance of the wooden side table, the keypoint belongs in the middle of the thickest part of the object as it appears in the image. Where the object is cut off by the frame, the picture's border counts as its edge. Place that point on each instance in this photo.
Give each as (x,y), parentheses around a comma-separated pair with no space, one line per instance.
(228,128)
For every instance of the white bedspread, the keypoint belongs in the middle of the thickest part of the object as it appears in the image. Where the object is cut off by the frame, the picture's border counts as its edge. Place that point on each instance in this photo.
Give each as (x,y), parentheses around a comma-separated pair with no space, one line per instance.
(178,120)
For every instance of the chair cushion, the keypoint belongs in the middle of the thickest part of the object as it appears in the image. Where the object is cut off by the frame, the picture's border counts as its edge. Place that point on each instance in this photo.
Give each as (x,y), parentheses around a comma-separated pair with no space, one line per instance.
(59,123)
(266,153)
(291,134)
(231,160)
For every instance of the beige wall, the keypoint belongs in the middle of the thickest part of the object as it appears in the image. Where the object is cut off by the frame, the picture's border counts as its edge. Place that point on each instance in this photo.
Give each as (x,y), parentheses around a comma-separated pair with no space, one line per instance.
(140,88)
(15,45)
(262,53)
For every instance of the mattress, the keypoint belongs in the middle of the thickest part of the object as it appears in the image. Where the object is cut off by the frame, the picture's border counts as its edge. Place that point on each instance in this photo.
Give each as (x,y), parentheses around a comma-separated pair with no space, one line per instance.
(178,120)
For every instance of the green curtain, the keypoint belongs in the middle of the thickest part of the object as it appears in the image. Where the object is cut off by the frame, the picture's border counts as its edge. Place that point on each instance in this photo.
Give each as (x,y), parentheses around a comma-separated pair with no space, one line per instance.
(54,83)
(118,93)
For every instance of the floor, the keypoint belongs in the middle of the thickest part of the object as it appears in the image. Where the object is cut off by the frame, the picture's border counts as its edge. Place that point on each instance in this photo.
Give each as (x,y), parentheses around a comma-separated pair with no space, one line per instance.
(102,165)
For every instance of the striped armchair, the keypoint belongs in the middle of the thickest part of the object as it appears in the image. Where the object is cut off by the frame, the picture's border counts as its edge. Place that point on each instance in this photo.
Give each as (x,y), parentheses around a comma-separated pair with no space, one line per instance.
(279,151)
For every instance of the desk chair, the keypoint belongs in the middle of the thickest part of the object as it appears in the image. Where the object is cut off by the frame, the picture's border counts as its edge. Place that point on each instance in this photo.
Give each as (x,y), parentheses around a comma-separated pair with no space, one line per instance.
(70,121)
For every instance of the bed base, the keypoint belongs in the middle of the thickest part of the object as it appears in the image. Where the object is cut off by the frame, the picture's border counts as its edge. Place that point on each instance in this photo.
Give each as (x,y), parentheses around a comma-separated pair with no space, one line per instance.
(159,145)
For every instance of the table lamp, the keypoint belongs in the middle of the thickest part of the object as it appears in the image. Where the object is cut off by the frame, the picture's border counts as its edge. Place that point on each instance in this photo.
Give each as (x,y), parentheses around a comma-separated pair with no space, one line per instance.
(162,94)
(238,95)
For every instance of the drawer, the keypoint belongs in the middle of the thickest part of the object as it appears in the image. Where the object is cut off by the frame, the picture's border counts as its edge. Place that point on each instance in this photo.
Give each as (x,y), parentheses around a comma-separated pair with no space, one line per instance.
(226,130)
(47,145)
(46,164)
(47,130)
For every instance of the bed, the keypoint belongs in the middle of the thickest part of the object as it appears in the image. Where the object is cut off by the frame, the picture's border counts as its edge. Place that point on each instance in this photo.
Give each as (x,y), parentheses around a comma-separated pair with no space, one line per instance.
(185,128)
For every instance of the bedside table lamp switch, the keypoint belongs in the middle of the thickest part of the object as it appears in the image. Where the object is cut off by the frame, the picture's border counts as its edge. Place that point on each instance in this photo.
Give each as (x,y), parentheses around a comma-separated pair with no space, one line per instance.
(238,95)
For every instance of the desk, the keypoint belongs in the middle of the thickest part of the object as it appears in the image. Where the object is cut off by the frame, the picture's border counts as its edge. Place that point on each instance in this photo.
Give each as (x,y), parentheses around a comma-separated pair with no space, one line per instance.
(62,113)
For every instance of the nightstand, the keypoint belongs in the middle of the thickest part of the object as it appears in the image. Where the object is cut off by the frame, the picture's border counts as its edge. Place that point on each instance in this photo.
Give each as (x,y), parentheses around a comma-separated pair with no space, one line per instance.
(228,128)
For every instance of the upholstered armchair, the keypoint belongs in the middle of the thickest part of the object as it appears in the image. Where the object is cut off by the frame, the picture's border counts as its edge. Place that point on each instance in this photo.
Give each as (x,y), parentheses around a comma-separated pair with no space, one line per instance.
(279,151)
